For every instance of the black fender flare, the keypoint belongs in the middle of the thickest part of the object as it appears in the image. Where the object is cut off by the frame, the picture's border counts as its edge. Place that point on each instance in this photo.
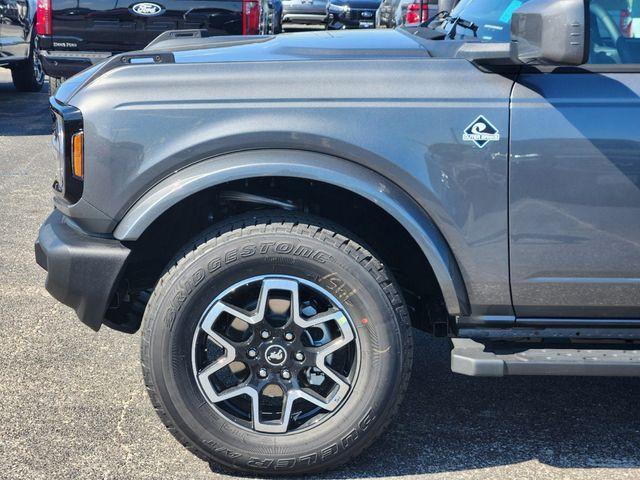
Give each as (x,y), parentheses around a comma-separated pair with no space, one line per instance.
(313,166)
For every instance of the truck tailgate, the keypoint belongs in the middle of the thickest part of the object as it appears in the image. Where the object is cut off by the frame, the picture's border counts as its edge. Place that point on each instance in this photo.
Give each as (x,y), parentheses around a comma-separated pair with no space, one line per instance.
(124,25)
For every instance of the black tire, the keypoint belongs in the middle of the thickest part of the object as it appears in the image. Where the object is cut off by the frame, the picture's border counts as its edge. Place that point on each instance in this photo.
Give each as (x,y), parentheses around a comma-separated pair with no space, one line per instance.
(28,75)
(54,84)
(267,244)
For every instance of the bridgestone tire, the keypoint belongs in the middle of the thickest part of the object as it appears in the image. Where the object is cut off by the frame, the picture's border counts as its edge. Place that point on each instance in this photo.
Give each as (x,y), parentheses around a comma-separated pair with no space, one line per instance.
(272,244)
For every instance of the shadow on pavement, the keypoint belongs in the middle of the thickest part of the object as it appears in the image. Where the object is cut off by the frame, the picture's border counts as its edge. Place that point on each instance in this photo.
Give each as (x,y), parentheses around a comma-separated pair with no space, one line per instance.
(23,113)
(451,423)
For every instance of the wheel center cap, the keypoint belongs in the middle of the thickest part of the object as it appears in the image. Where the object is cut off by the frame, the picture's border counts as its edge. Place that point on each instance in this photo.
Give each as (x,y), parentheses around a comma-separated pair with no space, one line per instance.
(275,355)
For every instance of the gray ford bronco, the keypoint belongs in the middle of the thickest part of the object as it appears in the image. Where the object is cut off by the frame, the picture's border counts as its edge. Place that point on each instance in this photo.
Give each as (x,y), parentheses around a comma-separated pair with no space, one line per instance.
(277,213)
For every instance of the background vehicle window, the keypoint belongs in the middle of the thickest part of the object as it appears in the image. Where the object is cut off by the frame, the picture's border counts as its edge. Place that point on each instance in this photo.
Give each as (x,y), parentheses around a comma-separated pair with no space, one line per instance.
(614,31)
(492,17)
(614,26)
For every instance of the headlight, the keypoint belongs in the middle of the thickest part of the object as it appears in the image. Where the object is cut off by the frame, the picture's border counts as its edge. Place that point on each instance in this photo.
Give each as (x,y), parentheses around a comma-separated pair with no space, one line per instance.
(68,150)
(57,141)
(338,8)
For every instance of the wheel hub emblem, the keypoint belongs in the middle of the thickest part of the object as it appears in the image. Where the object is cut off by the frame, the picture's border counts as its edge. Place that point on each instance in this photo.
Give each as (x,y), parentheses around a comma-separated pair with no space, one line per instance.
(275,355)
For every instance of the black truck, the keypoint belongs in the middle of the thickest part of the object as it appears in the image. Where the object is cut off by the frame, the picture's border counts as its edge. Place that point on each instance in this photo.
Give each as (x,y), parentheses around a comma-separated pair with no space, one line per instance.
(17,18)
(73,35)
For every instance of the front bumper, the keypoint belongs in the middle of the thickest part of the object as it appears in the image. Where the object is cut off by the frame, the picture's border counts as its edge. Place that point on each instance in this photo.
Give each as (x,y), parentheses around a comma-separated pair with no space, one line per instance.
(65,64)
(312,18)
(303,13)
(82,271)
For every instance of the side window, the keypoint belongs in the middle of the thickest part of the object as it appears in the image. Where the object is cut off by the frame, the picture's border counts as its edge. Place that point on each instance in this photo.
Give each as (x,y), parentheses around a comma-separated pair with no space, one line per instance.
(614,31)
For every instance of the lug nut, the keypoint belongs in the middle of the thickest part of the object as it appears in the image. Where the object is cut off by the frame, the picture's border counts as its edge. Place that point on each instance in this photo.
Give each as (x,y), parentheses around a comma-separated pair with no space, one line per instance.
(286,374)
(262,373)
(264,334)
(289,336)
(252,353)
(299,356)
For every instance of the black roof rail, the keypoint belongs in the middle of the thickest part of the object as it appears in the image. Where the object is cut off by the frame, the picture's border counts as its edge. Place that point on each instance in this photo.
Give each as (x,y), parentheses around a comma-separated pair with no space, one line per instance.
(175,34)
(135,58)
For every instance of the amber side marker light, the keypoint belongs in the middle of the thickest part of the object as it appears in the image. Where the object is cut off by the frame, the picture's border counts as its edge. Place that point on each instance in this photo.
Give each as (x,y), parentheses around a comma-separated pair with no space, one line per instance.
(77,155)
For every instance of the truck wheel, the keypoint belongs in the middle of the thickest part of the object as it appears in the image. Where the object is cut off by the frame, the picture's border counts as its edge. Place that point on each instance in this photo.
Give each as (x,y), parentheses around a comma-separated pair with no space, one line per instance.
(54,84)
(275,345)
(28,75)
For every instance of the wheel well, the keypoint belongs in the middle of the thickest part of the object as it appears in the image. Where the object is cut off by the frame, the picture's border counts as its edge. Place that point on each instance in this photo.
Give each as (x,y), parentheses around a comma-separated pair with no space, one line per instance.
(373,226)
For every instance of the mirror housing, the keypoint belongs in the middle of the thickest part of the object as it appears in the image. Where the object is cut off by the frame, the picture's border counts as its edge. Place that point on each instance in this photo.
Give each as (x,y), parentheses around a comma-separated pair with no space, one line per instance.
(550,32)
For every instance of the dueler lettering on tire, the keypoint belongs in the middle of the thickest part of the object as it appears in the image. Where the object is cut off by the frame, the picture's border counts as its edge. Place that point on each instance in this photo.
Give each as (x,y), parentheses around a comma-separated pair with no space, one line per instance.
(275,343)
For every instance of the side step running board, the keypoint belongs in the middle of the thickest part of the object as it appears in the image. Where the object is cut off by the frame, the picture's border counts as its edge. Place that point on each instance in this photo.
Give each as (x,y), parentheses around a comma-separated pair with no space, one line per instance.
(469,357)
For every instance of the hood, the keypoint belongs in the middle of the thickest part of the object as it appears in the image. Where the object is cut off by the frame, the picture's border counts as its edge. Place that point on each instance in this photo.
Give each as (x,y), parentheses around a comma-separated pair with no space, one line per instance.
(340,45)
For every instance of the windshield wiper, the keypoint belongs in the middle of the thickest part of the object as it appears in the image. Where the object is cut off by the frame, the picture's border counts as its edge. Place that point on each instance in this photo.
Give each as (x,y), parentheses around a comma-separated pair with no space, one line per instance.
(444,14)
(461,22)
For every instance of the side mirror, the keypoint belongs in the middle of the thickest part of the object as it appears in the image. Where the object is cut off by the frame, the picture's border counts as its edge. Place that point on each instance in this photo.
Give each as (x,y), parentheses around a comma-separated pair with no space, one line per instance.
(550,31)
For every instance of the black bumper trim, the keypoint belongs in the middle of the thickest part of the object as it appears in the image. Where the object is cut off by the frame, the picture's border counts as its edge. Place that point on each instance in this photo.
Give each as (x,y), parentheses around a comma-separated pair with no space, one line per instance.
(82,271)
(65,64)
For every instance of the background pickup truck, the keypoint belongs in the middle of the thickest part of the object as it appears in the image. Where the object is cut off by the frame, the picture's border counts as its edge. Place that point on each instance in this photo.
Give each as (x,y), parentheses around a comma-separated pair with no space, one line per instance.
(74,34)
(17,18)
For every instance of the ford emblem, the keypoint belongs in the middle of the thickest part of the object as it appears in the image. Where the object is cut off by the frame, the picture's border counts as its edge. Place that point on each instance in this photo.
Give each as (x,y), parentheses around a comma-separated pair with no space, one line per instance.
(147,9)
(366,14)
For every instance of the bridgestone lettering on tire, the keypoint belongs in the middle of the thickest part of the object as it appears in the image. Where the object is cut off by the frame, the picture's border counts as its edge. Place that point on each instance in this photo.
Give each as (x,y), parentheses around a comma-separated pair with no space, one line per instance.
(275,344)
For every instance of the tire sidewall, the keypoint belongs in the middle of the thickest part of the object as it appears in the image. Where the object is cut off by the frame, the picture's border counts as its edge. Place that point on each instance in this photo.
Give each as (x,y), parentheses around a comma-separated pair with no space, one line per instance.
(183,297)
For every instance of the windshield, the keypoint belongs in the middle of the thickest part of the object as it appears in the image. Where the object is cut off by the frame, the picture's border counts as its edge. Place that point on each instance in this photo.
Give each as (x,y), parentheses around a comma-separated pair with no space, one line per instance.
(492,18)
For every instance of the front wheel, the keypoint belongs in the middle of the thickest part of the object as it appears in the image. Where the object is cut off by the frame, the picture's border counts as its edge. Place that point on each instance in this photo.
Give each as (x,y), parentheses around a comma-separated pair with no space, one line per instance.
(276,345)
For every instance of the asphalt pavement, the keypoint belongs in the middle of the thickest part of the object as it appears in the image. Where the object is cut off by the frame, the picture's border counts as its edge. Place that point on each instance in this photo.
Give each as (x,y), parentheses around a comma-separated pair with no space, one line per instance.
(73,405)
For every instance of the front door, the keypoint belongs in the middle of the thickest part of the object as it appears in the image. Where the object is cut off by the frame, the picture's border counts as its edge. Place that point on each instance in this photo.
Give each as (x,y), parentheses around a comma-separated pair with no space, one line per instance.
(575,178)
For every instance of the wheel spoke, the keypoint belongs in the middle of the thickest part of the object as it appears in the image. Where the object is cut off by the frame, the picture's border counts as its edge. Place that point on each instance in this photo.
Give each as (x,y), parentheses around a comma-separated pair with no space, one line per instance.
(318,400)
(342,384)
(236,392)
(228,357)
(272,426)
(212,368)
(323,352)
(221,307)
(212,316)
(333,315)
(282,425)
(334,345)
(278,284)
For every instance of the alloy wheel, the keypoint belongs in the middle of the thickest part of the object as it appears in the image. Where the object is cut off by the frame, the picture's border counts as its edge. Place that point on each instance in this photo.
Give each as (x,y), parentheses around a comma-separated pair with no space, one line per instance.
(275,354)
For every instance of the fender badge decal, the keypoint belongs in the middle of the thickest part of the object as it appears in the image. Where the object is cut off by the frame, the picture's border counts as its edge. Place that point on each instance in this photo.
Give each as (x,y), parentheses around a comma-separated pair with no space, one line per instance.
(481,132)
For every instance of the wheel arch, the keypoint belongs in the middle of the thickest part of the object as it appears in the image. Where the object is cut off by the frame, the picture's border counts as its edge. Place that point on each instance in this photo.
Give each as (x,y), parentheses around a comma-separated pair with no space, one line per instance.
(311,166)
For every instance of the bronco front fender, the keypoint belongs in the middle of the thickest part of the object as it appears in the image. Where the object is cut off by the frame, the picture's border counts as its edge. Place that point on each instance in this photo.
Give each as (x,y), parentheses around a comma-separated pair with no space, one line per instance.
(312,166)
